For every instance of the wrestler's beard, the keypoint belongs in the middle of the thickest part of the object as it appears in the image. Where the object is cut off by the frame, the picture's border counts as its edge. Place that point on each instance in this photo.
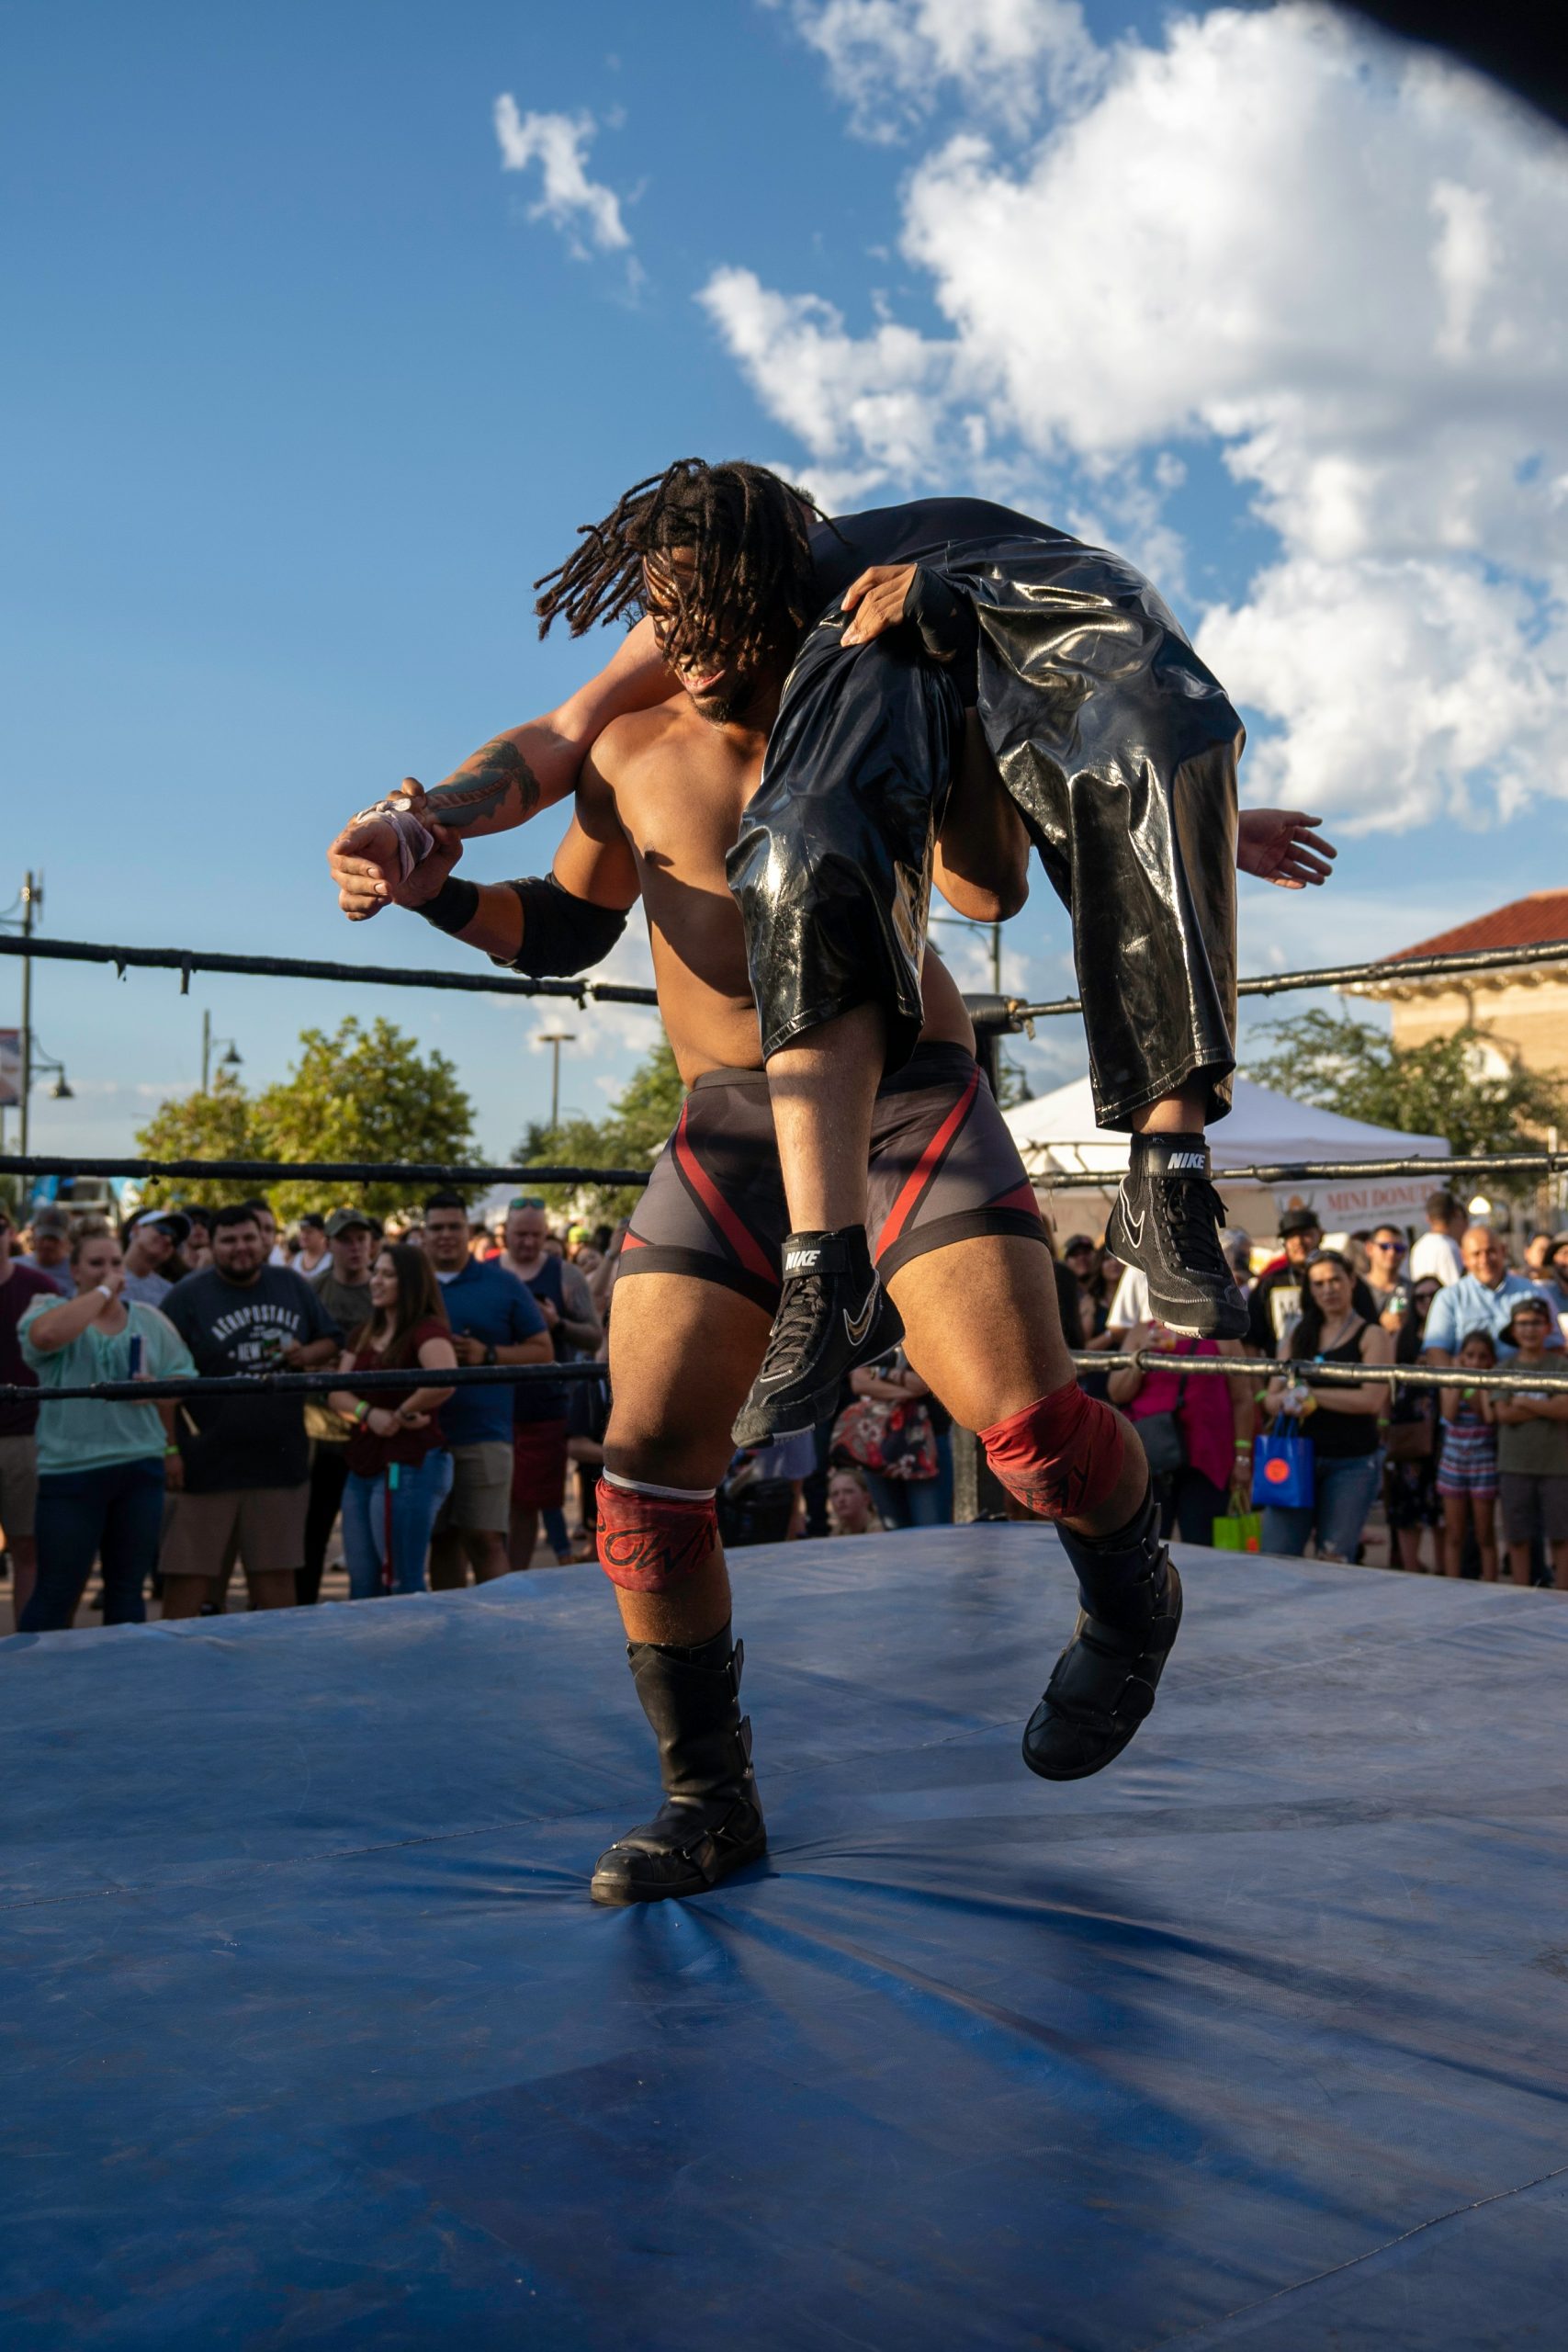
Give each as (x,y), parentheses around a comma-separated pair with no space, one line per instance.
(729,709)
(749,699)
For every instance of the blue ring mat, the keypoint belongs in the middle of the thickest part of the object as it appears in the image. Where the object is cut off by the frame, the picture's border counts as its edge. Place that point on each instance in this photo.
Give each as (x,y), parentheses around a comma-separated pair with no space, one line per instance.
(1258,2039)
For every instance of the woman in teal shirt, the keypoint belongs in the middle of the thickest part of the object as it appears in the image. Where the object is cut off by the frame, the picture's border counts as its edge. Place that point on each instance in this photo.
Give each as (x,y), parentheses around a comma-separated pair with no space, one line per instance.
(101,1466)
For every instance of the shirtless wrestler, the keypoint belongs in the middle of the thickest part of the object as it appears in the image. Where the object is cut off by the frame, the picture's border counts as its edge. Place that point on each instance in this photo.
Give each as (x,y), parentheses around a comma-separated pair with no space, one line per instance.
(723,555)
(957,1240)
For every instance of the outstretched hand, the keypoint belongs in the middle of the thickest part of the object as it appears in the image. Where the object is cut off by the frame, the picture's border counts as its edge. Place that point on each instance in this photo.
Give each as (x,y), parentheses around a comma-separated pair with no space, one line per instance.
(877,599)
(1282,847)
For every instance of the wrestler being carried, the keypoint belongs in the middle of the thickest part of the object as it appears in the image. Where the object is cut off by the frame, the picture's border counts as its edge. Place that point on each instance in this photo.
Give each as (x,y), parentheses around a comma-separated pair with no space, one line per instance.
(925,641)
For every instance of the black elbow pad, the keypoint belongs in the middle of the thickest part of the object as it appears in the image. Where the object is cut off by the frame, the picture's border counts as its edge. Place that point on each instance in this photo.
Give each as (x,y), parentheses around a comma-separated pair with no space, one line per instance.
(561,933)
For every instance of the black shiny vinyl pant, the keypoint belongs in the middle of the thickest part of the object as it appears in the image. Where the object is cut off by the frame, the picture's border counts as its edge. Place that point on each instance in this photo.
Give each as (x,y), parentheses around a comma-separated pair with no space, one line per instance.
(1119,750)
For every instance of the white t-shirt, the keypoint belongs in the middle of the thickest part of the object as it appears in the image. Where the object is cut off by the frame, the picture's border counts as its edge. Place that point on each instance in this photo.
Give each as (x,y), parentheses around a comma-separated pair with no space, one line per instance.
(1436,1258)
(1130,1304)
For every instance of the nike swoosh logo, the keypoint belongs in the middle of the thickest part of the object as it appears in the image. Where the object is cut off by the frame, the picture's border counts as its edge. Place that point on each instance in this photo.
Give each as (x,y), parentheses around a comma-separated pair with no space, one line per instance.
(861,1325)
(1135,1230)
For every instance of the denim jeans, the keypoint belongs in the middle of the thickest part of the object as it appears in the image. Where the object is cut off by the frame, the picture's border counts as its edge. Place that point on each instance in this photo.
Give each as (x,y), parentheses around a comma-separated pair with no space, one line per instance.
(908,1502)
(1190,1503)
(416,1495)
(1344,1493)
(114,1514)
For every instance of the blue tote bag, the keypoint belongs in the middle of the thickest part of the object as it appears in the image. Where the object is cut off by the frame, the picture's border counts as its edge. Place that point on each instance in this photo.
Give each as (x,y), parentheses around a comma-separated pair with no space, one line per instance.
(1282,1471)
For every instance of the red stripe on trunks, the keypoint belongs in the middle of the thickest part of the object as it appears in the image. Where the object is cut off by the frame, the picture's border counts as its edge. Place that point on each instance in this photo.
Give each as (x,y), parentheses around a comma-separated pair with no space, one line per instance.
(745,1244)
(1020,1197)
(926,1167)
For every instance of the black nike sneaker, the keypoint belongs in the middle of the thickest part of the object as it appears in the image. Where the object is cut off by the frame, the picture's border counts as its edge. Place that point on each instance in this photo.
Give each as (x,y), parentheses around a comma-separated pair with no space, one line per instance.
(833,1315)
(1165,1221)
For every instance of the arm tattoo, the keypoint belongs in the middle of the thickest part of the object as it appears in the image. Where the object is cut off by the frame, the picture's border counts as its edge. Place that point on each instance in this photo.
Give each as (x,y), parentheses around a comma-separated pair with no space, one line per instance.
(497,778)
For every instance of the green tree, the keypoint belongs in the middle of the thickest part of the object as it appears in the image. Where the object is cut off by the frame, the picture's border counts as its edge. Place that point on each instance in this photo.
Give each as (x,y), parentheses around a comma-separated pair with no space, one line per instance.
(631,1135)
(361,1093)
(1345,1064)
(364,1093)
(222,1124)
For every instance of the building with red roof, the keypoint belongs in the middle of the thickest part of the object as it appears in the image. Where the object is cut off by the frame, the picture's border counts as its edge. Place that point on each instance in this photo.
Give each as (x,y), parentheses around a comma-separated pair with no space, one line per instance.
(1521,1011)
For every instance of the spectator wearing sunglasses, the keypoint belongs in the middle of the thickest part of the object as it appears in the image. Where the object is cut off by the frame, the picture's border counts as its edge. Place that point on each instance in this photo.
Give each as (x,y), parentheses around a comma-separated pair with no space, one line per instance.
(1387,1251)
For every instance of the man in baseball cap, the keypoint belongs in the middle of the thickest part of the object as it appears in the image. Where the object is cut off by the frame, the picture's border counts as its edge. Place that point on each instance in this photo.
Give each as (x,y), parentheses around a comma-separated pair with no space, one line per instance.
(151,1243)
(49,1229)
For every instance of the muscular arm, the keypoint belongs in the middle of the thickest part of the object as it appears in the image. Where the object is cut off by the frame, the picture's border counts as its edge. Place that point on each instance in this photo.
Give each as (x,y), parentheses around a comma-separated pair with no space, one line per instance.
(594,862)
(507,780)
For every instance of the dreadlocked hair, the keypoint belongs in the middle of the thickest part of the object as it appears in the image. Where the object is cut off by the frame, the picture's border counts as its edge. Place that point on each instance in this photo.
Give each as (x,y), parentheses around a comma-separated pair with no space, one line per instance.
(749,589)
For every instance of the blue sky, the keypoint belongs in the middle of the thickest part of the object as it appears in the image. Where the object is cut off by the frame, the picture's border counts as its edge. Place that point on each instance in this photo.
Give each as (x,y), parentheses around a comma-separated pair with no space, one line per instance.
(300,397)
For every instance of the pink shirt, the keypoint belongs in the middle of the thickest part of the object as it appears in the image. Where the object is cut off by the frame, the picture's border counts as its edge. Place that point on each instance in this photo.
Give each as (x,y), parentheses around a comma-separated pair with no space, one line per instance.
(1207,1420)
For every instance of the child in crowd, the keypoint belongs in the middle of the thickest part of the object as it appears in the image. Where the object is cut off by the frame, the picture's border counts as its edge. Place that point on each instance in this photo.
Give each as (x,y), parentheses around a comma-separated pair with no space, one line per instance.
(1532,1451)
(1467,1473)
(851,1510)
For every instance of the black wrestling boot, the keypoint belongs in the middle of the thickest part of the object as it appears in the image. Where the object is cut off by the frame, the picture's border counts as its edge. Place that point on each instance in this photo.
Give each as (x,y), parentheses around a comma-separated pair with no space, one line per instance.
(1104,1684)
(833,1315)
(710,1821)
(1165,1221)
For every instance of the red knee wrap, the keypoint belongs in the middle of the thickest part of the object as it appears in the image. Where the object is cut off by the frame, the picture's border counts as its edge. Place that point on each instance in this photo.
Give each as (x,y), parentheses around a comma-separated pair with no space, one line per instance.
(1061,1456)
(647,1542)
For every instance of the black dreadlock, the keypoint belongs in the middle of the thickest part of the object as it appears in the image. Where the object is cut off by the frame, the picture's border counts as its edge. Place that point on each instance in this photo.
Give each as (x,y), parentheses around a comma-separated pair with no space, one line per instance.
(750,590)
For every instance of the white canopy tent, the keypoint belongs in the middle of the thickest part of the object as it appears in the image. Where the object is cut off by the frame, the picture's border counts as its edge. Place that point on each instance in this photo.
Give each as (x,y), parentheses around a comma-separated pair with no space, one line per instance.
(1057,1132)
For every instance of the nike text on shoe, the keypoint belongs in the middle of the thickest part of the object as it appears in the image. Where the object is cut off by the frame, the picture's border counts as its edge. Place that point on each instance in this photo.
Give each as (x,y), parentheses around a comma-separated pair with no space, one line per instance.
(1165,1221)
(833,1314)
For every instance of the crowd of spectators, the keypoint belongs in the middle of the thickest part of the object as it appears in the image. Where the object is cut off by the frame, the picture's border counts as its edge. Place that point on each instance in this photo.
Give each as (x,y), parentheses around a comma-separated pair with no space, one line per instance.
(431,1483)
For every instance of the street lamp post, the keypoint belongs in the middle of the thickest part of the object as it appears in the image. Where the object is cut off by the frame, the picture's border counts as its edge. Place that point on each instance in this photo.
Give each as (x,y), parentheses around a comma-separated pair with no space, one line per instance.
(31,901)
(231,1059)
(556,1039)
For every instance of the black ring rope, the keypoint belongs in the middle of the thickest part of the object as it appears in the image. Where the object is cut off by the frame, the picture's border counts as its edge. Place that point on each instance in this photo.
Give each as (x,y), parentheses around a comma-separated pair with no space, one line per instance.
(1006,1015)
(418,1173)
(304,1383)
(343,1171)
(1300,1172)
(186,960)
(1330,976)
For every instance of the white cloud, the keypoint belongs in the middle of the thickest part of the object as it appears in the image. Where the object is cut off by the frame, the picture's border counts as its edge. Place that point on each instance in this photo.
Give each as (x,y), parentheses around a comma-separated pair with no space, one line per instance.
(889,59)
(581,208)
(1337,261)
(866,408)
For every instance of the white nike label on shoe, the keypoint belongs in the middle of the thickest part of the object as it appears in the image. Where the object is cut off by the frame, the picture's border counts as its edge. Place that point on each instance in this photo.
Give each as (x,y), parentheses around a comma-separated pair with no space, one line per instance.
(801,1261)
(1198,1159)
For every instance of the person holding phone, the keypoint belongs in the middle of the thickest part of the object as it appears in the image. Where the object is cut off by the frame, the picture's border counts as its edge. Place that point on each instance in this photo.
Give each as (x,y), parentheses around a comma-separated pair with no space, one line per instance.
(103,1467)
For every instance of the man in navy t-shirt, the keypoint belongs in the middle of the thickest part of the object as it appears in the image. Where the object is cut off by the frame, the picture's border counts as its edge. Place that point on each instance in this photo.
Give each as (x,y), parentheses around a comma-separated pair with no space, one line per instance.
(494,1320)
